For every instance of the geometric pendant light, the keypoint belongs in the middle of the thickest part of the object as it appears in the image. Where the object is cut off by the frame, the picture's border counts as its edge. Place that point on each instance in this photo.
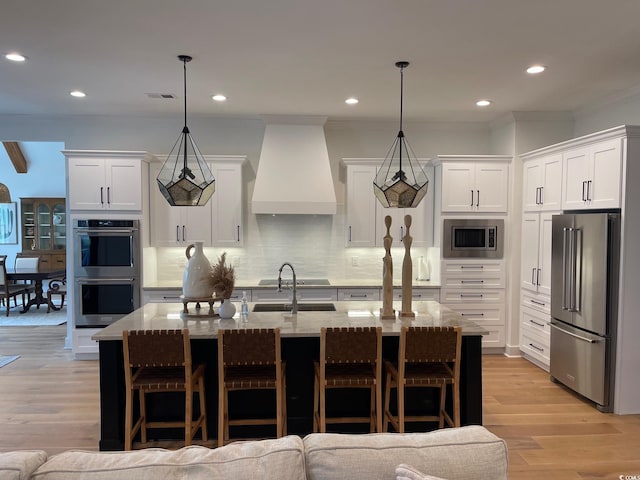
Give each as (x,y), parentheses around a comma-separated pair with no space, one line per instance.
(185,179)
(400,181)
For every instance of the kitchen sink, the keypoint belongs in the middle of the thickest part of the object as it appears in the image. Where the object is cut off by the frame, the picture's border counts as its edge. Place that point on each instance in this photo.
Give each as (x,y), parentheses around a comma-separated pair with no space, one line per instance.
(302,307)
(300,281)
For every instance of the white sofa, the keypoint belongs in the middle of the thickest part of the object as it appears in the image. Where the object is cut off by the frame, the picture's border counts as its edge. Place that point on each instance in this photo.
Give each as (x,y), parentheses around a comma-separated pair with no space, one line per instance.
(471,453)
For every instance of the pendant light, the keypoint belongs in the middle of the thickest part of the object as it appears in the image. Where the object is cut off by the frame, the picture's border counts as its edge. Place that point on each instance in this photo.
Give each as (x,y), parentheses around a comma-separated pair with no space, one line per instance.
(400,181)
(185,178)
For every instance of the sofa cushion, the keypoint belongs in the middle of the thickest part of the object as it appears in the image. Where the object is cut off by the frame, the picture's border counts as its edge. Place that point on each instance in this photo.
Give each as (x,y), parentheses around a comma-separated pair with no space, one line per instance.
(467,453)
(282,459)
(407,472)
(19,465)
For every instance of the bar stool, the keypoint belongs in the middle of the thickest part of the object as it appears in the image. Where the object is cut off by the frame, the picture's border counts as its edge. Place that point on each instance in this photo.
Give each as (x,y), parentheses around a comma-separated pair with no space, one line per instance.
(250,359)
(350,357)
(158,361)
(427,357)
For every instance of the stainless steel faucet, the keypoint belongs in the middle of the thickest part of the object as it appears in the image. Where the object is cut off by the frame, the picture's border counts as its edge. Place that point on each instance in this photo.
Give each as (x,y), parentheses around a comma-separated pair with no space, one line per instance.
(294,302)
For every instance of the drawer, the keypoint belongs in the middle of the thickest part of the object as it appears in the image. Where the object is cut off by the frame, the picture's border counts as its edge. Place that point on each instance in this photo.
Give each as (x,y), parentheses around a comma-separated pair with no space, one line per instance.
(487,281)
(541,303)
(471,267)
(478,295)
(534,345)
(162,296)
(83,346)
(495,338)
(535,321)
(419,294)
(354,294)
(482,314)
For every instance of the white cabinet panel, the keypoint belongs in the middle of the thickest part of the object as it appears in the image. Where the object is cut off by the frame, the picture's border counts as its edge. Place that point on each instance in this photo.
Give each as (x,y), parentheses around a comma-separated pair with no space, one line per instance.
(542,183)
(226,203)
(361,206)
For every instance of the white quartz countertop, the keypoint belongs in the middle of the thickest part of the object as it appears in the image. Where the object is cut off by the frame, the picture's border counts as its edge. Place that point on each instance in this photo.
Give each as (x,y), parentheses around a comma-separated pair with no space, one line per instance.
(305,324)
(253,284)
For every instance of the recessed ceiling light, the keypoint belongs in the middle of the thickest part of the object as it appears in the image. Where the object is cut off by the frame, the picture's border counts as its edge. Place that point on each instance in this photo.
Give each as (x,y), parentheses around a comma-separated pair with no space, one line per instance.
(219,97)
(15,57)
(483,103)
(351,101)
(533,69)
(78,94)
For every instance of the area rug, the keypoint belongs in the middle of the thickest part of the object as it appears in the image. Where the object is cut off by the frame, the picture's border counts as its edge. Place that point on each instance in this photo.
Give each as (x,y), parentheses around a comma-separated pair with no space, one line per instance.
(7,359)
(33,318)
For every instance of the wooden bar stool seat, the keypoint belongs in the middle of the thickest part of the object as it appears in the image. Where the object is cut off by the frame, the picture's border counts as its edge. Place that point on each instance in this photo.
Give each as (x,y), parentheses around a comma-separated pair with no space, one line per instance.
(427,357)
(250,359)
(349,358)
(158,361)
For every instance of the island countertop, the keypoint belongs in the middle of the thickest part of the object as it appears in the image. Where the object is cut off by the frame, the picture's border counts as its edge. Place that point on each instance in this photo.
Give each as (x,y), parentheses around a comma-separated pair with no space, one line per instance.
(305,324)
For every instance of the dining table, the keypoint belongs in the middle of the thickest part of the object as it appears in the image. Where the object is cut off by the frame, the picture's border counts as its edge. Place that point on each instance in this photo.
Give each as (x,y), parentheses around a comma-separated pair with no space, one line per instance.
(37,276)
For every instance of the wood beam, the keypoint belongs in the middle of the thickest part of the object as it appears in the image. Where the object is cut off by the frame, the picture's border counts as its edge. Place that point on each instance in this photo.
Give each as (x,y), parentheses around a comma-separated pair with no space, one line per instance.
(15,155)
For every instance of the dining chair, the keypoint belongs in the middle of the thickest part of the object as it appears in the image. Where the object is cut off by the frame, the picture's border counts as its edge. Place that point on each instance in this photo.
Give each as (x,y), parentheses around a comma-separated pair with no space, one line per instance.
(8,290)
(350,357)
(428,357)
(56,286)
(26,261)
(159,361)
(250,359)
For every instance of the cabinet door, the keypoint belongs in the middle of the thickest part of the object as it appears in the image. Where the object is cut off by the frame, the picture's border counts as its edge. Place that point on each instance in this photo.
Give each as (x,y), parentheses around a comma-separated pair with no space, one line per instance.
(544,254)
(361,206)
(166,227)
(196,224)
(397,230)
(123,184)
(531,183)
(551,193)
(575,175)
(606,177)
(529,255)
(87,184)
(226,205)
(458,187)
(492,187)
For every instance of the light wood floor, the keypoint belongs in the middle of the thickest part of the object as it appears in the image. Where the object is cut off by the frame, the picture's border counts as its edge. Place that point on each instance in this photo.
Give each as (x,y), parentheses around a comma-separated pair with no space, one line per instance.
(49,401)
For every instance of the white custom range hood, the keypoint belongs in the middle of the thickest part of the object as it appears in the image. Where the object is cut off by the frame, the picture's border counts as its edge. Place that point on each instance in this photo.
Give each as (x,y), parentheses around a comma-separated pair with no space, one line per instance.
(294,175)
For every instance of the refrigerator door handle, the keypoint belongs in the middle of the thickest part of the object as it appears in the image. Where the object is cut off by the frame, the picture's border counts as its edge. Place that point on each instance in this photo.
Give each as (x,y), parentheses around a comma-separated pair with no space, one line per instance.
(565,267)
(579,337)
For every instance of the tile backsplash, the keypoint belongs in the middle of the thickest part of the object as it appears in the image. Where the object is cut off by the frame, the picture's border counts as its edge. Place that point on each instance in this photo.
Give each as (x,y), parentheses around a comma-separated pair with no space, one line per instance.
(313,244)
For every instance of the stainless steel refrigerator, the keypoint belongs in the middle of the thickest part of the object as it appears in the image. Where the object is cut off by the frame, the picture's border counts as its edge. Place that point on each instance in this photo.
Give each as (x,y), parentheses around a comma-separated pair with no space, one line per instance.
(584,294)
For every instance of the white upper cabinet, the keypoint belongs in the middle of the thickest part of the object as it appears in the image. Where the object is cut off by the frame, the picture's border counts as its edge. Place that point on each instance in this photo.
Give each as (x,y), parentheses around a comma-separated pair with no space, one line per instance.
(592,176)
(177,226)
(473,183)
(361,204)
(536,252)
(226,203)
(105,180)
(542,183)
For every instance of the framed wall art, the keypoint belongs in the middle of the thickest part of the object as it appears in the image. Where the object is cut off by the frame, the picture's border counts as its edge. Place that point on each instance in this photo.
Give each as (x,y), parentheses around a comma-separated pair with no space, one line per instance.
(8,223)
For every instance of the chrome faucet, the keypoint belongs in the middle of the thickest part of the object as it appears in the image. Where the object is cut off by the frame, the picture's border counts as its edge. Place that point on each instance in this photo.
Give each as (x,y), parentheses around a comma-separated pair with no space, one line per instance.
(294,302)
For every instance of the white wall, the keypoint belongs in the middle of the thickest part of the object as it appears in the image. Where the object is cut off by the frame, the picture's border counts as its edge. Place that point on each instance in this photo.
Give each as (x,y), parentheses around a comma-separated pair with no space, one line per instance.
(621,110)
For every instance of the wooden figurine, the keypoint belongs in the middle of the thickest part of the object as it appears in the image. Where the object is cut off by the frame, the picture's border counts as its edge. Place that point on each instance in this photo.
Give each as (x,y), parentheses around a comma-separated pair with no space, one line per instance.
(387,312)
(407,272)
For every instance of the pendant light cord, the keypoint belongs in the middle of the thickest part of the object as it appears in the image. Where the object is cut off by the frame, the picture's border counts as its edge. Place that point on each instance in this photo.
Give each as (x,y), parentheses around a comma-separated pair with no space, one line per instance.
(184,62)
(401,94)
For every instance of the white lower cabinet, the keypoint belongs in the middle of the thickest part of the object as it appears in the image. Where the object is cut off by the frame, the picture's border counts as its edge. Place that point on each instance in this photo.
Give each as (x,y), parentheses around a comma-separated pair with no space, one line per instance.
(476,290)
(84,348)
(359,294)
(170,295)
(535,337)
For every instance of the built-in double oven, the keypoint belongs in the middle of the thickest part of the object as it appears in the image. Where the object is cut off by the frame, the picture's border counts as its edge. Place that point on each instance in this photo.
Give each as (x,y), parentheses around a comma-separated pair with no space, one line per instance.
(107,270)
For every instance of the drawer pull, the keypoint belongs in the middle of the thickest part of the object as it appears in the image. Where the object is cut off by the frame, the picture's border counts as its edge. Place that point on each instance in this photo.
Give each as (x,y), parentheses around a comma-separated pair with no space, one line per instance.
(473,267)
(473,295)
(169,297)
(480,314)
(542,304)
(358,295)
(537,323)
(540,349)
(471,281)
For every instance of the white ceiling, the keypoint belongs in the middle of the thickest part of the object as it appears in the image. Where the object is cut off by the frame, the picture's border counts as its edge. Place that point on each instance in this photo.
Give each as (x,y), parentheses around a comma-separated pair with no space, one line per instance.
(306,56)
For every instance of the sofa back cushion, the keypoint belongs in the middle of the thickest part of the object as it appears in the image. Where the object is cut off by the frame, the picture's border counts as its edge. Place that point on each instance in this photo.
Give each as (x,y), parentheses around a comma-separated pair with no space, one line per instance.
(282,459)
(19,465)
(467,453)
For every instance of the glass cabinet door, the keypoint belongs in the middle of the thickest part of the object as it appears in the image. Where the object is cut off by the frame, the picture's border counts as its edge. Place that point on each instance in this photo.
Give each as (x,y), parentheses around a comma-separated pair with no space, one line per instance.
(59,227)
(28,226)
(44,227)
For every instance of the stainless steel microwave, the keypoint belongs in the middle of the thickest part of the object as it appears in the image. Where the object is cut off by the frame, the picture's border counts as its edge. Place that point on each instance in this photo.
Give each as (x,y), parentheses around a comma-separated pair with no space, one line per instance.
(473,238)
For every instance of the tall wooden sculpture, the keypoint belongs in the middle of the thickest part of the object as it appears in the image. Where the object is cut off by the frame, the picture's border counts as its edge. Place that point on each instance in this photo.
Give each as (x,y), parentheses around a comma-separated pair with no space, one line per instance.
(407,271)
(387,311)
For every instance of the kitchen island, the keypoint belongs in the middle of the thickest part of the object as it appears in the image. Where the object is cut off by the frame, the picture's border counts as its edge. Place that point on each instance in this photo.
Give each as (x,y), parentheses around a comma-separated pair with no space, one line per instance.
(300,346)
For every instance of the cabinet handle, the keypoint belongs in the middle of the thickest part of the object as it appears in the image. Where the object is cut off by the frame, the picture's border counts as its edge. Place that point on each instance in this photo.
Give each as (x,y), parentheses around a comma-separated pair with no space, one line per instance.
(537,192)
(479,314)
(533,276)
(589,190)
(473,267)
(170,297)
(238,233)
(478,199)
(413,295)
(471,199)
(537,323)
(358,295)
(540,349)
(542,304)
(102,195)
(538,276)
(541,195)
(183,233)
(177,233)
(349,233)
(584,195)
(471,281)
(109,195)
(401,233)
(473,295)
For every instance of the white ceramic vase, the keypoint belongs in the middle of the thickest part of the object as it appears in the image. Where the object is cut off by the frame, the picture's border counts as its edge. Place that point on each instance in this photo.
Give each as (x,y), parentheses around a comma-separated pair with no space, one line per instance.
(195,282)
(227,309)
